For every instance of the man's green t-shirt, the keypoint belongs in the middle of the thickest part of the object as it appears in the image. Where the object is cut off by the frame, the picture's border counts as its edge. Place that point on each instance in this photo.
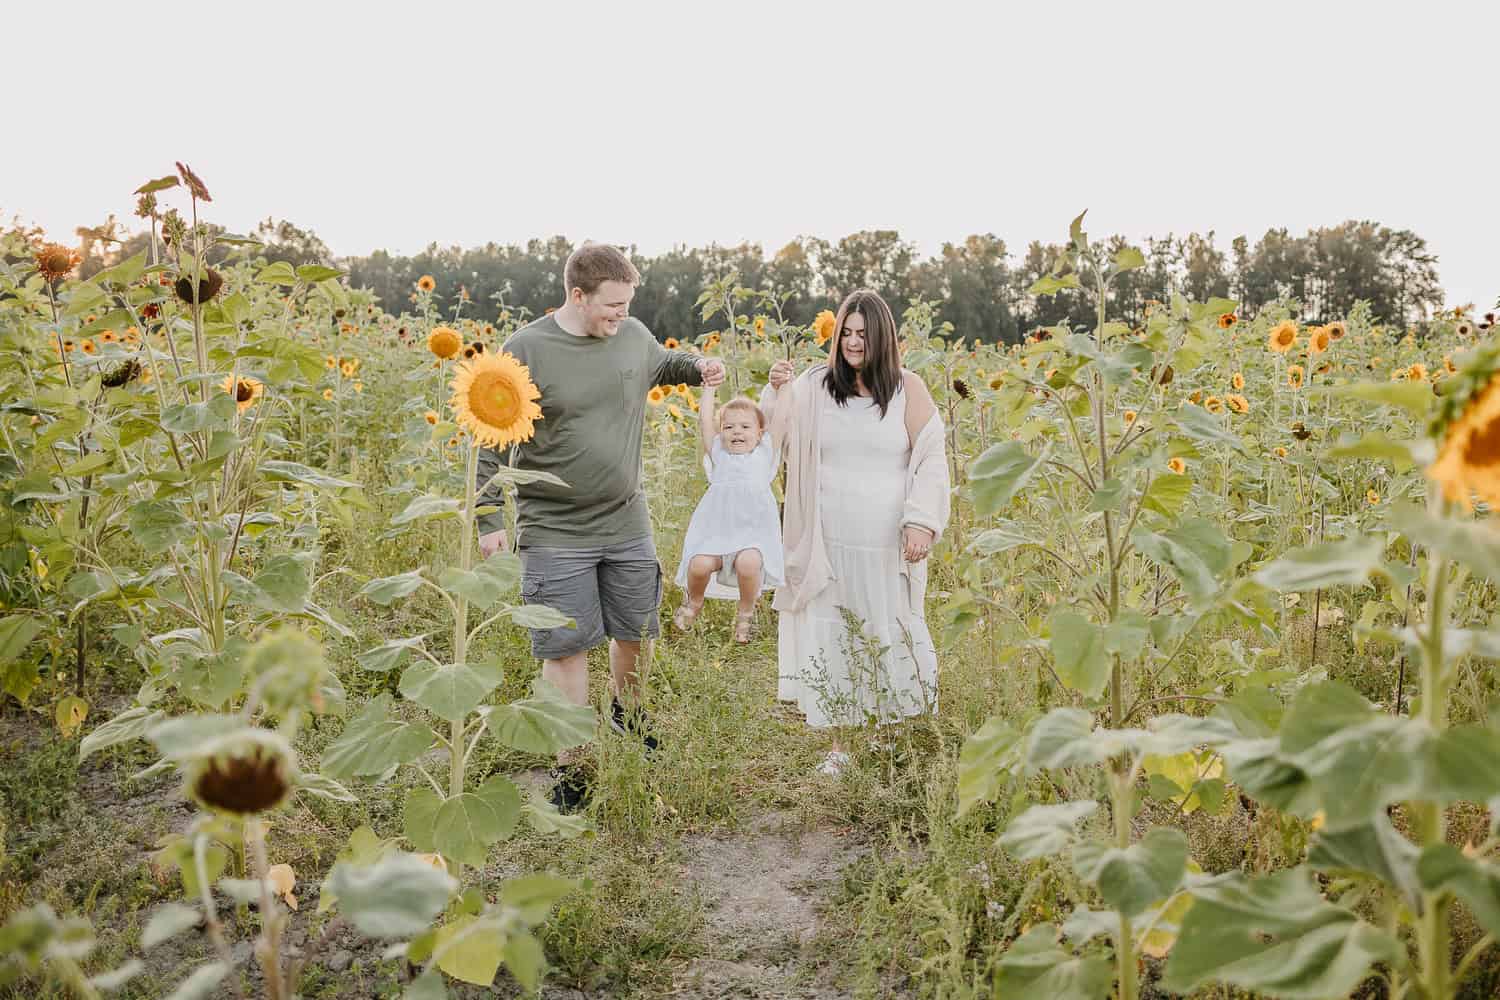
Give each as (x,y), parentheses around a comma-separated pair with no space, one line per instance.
(593,413)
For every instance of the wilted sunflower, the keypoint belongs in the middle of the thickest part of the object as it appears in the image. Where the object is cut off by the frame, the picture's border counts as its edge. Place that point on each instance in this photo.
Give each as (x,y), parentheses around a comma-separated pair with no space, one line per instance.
(69,347)
(426,283)
(961,387)
(1416,372)
(209,285)
(431,417)
(1294,375)
(1469,460)
(823,326)
(997,382)
(656,395)
(495,400)
(1164,376)
(249,774)
(54,261)
(1177,465)
(126,372)
(671,344)
(1336,330)
(1213,404)
(1196,396)
(1283,337)
(1237,381)
(1226,320)
(1318,340)
(246,392)
(1237,403)
(1449,366)
(444,342)
(1300,431)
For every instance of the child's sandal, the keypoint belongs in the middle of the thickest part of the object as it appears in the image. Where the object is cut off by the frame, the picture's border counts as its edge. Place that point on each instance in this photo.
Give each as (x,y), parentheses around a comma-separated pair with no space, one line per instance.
(685,616)
(742,620)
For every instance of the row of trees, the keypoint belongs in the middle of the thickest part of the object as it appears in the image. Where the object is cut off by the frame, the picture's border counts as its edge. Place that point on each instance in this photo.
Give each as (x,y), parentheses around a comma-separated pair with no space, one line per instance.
(981,284)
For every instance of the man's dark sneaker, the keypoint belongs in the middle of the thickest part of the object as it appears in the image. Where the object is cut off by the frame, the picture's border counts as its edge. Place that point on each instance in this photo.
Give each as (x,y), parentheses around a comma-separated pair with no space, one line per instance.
(570,789)
(634,721)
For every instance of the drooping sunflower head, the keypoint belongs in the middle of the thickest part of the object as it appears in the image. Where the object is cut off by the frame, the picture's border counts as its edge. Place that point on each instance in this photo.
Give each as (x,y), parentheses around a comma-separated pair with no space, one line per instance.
(1467,423)
(962,388)
(1129,416)
(1294,374)
(249,772)
(426,283)
(1237,380)
(494,400)
(245,390)
(823,326)
(1213,404)
(444,342)
(1283,337)
(1318,340)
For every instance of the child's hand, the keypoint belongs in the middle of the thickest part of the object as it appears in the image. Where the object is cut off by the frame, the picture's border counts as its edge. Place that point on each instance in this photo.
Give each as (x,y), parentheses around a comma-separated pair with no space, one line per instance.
(781,374)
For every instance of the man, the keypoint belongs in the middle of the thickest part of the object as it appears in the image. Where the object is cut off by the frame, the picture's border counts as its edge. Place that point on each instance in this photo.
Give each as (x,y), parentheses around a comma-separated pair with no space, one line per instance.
(586,550)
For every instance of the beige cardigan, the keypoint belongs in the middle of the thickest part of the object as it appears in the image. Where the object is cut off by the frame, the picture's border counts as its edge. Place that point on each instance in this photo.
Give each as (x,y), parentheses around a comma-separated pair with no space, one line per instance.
(794,429)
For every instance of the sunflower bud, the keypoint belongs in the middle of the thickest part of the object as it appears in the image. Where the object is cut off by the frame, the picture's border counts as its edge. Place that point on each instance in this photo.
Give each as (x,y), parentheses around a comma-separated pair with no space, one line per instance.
(208,286)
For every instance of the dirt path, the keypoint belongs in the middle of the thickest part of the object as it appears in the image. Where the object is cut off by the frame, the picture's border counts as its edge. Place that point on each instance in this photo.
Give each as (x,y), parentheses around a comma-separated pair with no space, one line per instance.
(761,887)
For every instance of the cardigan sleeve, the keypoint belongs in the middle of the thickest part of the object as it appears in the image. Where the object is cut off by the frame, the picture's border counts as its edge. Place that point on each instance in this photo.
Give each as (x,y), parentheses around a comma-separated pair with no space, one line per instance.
(929,489)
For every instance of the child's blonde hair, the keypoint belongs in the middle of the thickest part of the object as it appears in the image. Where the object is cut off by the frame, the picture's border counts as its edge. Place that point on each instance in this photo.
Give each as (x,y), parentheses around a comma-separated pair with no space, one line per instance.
(742,403)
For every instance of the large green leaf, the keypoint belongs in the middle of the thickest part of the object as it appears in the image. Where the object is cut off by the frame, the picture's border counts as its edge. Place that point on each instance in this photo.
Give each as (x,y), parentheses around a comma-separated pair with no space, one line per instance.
(466,825)
(1035,967)
(487,582)
(126,727)
(1130,879)
(1373,849)
(1414,397)
(533,896)
(1475,544)
(1200,425)
(545,723)
(296,472)
(1078,650)
(396,896)
(203,983)
(986,760)
(453,690)
(1275,935)
(168,921)
(1003,537)
(373,743)
(470,948)
(389,655)
(16,633)
(1350,562)
(214,413)
(286,581)
(1042,831)
(1167,495)
(389,589)
(540,616)
(428,506)
(1443,867)
(999,474)
(157,525)
(419,817)
(1062,738)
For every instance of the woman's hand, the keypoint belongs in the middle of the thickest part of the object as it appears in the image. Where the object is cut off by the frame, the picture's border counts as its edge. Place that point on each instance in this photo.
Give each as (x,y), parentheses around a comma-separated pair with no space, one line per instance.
(915,543)
(781,374)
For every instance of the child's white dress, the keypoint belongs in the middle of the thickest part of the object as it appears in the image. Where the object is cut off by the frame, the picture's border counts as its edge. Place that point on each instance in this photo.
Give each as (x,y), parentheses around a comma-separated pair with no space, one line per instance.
(738,512)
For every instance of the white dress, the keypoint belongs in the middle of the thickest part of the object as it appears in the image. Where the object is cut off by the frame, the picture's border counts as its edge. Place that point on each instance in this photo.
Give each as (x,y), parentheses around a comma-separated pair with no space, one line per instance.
(878,661)
(738,512)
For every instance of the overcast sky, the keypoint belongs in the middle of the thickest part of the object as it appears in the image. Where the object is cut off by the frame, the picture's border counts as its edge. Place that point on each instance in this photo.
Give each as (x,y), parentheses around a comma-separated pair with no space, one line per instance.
(654,124)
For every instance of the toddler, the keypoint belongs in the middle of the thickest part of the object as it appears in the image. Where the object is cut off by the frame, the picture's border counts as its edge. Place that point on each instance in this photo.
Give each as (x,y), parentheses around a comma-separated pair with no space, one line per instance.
(733,544)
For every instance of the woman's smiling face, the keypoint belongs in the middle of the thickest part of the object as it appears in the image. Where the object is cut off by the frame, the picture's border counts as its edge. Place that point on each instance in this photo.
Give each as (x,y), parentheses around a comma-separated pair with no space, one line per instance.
(852,340)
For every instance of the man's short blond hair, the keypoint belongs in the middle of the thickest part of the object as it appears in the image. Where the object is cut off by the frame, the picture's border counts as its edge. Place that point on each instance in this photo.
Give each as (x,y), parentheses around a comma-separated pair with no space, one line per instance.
(592,264)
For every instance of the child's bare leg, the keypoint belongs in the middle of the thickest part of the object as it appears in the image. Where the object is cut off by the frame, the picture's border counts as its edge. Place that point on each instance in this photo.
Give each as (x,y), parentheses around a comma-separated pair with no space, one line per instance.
(747,567)
(700,568)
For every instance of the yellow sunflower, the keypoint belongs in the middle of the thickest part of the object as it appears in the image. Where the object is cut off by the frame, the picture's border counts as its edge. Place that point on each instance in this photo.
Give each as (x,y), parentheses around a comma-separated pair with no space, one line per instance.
(1469,460)
(1237,403)
(1196,396)
(1213,404)
(331,362)
(1237,381)
(823,326)
(1336,330)
(760,326)
(1283,337)
(680,388)
(444,342)
(430,416)
(1371,497)
(671,344)
(107,337)
(494,399)
(1226,320)
(1280,452)
(673,409)
(997,382)
(327,393)
(1416,372)
(1130,416)
(246,392)
(656,395)
(1318,340)
(1177,465)
(1294,375)
(87,347)
(426,283)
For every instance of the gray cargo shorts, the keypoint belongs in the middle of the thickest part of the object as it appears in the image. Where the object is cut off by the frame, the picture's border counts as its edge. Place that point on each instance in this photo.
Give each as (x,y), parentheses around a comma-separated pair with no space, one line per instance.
(609,590)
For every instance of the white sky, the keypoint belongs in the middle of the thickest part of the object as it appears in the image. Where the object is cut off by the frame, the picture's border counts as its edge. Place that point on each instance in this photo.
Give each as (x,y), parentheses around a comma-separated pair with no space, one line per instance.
(394,125)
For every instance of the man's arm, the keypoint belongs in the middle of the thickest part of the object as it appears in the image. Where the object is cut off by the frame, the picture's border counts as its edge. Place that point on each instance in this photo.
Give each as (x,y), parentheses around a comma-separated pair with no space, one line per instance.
(492,525)
(673,367)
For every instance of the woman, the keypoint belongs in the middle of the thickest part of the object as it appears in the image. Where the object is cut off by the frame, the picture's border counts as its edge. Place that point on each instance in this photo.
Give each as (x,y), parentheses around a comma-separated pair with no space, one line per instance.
(866,499)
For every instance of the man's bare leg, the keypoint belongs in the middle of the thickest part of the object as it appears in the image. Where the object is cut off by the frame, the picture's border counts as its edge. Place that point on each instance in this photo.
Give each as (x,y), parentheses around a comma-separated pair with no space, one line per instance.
(625,669)
(571,676)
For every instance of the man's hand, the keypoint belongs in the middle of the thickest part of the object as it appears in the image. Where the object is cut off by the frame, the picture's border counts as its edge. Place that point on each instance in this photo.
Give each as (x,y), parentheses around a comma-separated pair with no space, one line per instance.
(712,370)
(781,374)
(491,543)
(915,543)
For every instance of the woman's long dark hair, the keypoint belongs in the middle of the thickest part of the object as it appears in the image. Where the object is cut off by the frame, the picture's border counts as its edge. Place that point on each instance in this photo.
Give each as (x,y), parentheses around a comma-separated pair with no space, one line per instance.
(881,372)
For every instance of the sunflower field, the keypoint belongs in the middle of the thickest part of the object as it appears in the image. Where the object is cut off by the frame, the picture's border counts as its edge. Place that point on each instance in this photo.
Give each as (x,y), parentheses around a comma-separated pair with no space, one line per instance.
(1217,713)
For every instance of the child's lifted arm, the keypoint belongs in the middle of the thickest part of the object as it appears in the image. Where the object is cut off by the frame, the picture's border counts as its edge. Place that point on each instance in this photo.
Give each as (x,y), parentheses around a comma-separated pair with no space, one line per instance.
(708,427)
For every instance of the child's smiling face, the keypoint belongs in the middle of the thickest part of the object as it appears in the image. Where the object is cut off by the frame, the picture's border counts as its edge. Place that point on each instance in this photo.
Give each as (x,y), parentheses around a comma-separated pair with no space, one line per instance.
(740,431)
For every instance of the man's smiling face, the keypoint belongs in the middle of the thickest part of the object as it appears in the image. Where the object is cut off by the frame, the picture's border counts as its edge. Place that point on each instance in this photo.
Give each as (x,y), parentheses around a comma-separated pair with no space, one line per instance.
(606,308)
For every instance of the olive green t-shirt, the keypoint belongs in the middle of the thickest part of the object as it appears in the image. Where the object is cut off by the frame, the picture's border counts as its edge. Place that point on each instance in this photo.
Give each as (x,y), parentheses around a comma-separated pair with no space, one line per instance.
(593,414)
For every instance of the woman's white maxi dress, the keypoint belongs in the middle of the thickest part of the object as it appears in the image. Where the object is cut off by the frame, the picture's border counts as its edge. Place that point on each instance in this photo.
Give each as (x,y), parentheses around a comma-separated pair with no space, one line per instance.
(887,668)
(738,512)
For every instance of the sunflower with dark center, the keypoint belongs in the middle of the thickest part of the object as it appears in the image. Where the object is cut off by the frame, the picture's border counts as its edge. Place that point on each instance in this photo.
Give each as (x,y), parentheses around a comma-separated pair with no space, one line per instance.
(54,261)
(494,400)
(208,286)
(245,390)
(426,283)
(248,780)
(1336,330)
(1226,320)
(1283,337)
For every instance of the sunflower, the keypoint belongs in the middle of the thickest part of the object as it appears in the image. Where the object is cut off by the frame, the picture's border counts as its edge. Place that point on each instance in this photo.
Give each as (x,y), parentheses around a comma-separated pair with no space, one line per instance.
(1130,416)
(1213,404)
(431,417)
(1336,330)
(346,328)
(494,400)
(1318,340)
(444,342)
(107,337)
(1237,403)
(469,352)
(346,369)
(997,382)
(1371,497)
(425,283)
(1283,337)
(823,326)
(87,347)
(1449,366)
(69,347)
(1237,381)
(1464,329)
(1177,465)
(1416,372)
(327,393)
(760,326)
(359,387)
(671,344)
(54,261)
(1226,320)
(1294,375)
(1196,396)
(1280,452)
(1300,431)
(246,391)
(1469,460)
(674,411)
(656,395)
(331,362)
